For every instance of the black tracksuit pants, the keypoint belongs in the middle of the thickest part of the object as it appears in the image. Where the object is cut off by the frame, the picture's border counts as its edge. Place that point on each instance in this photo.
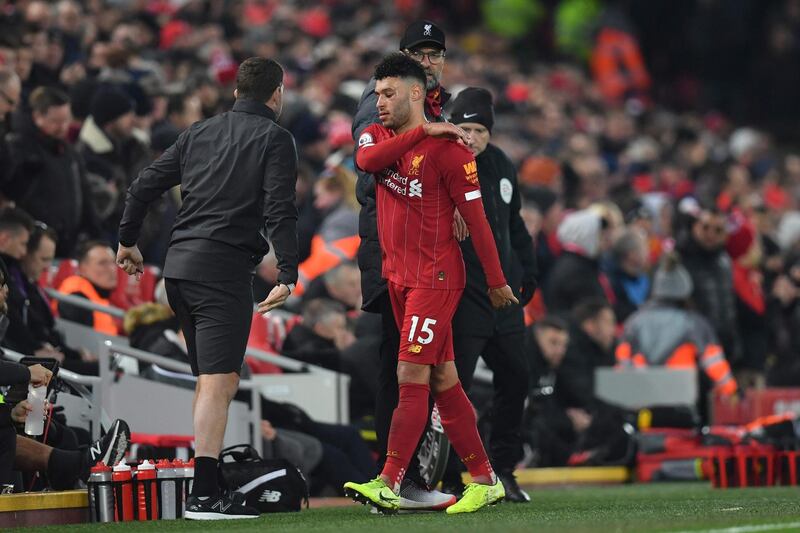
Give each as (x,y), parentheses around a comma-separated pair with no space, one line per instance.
(504,354)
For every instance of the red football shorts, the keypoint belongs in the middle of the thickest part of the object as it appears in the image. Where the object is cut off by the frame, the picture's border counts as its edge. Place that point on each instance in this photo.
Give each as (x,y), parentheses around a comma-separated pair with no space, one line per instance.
(424,318)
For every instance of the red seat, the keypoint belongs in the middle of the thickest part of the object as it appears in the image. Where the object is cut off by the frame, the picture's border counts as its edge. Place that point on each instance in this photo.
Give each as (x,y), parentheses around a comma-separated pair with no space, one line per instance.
(66,268)
(162,441)
(147,285)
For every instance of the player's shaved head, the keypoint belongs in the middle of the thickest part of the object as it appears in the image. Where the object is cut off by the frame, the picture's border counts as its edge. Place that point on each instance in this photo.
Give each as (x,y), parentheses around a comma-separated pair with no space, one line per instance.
(400,86)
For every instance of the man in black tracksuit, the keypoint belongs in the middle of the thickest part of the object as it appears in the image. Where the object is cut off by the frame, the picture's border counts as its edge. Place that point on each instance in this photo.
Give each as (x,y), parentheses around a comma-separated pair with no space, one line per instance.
(479,330)
(423,41)
(238,173)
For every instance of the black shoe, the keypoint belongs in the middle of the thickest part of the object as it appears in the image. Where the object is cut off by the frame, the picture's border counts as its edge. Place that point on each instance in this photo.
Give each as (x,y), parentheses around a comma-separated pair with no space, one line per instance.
(217,508)
(111,447)
(454,487)
(513,492)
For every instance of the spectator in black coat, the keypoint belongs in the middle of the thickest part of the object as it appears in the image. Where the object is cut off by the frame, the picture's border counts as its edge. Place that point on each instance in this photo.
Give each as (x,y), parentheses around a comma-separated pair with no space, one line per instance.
(113,155)
(47,176)
(326,339)
(342,283)
(31,327)
(576,274)
(591,345)
(553,421)
(704,256)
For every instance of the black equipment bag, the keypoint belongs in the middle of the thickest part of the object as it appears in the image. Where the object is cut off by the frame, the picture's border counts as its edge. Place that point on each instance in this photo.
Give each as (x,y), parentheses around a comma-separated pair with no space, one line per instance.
(269,485)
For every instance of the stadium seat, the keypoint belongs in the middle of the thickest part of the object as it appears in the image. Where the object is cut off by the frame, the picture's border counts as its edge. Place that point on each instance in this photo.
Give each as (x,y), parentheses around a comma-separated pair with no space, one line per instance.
(66,268)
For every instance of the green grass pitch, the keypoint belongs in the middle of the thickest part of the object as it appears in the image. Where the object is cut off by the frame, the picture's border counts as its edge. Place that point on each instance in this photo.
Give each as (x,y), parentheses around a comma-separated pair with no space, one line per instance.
(635,508)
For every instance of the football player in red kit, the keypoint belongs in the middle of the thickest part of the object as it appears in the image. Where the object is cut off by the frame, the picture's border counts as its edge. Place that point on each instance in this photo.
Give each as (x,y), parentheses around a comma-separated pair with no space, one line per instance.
(423,172)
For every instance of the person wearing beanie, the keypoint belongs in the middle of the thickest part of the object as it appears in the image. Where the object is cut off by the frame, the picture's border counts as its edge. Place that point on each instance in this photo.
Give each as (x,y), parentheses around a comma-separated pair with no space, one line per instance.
(479,330)
(424,41)
(664,332)
(114,155)
(576,274)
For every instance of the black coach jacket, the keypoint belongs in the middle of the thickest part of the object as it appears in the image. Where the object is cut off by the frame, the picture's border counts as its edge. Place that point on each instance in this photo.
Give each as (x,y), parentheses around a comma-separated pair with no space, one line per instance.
(237,173)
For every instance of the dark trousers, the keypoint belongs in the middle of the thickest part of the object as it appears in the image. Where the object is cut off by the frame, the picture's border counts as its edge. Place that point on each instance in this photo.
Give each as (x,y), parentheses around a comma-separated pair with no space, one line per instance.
(345,455)
(386,398)
(504,354)
(8,447)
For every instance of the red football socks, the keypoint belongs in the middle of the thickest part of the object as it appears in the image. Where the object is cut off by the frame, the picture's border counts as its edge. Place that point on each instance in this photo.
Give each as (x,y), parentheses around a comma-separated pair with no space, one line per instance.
(460,425)
(408,422)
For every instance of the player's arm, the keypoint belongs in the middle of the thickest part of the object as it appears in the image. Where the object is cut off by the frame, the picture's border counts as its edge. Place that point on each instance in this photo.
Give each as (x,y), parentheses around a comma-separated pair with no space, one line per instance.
(280,214)
(460,175)
(162,174)
(374,154)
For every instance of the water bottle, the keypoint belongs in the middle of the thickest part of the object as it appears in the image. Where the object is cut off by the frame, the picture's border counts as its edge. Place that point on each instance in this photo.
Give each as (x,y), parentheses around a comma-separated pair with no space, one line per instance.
(147,491)
(122,482)
(165,472)
(101,495)
(181,482)
(34,424)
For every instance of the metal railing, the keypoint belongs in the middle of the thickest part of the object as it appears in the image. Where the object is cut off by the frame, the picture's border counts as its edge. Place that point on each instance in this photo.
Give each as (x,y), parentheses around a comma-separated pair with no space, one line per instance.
(83,303)
(108,349)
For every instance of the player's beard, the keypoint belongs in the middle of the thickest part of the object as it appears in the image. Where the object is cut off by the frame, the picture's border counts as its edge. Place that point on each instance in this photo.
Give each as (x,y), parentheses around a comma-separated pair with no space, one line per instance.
(399,117)
(433,77)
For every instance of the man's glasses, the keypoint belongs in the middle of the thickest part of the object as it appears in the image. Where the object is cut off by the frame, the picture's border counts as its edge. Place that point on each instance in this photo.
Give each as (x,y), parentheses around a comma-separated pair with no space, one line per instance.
(433,57)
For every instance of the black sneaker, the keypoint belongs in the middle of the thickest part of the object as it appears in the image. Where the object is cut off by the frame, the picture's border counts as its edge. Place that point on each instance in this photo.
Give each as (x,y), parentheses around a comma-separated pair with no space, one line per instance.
(513,492)
(217,508)
(111,447)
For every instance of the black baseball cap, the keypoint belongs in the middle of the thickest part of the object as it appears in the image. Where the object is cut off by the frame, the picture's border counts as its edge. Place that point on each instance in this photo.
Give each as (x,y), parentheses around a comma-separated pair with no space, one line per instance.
(422,32)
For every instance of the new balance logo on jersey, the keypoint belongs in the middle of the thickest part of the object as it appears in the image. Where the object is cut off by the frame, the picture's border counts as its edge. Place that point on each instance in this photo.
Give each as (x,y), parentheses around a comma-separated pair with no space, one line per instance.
(270,496)
(415,189)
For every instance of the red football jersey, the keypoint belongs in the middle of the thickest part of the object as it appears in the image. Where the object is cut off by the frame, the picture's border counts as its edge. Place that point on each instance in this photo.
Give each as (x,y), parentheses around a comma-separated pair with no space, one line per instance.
(416,199)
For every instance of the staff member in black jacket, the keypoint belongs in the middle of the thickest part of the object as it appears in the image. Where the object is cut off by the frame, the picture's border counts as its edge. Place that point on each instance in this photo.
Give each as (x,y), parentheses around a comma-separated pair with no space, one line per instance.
(478,329)
(237,173)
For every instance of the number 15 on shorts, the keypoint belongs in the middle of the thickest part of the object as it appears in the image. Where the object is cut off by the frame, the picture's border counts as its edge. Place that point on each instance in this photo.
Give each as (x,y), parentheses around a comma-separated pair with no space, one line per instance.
(426,333)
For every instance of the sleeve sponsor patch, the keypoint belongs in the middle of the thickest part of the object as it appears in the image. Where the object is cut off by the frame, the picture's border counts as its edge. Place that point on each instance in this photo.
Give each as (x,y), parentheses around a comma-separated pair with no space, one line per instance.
(472,195)
(471,171)
(365,140)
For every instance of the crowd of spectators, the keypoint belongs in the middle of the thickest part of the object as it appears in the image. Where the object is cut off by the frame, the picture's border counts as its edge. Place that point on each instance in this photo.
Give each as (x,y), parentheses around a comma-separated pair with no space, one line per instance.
(614,182)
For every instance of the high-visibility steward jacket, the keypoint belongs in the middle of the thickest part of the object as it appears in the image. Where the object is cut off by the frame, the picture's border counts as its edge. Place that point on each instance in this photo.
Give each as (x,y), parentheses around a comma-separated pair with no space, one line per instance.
(336,242)
(102,322)
(661,335)
(617,65)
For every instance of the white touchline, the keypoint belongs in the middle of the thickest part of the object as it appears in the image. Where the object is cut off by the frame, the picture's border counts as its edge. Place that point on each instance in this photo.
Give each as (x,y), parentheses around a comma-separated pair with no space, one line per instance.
(755,528)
